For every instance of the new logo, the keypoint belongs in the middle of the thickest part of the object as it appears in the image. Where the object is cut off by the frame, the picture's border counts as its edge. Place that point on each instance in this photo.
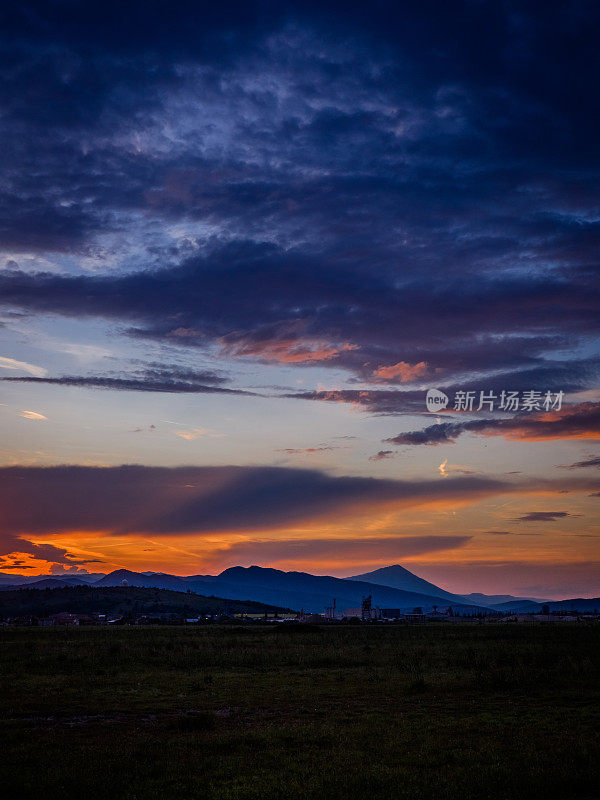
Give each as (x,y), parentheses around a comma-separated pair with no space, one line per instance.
(436,400)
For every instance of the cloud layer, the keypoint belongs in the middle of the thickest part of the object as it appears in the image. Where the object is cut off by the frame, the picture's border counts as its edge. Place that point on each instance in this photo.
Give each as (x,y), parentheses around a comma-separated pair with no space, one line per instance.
(135,499)
(405,193)
(40,502)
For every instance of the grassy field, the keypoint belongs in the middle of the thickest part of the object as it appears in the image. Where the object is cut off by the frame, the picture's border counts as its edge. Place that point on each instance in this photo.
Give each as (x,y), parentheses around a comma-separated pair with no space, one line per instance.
(274,713)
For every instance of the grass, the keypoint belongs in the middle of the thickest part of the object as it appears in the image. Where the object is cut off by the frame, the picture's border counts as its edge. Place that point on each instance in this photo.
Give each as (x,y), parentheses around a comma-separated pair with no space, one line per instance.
(265,713)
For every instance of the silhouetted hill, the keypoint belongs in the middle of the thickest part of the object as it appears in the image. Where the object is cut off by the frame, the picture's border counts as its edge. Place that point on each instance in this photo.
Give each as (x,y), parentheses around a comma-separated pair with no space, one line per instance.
(159,580)
(518,605)
(498,599)
(582,604)
(120,600)
(398,577)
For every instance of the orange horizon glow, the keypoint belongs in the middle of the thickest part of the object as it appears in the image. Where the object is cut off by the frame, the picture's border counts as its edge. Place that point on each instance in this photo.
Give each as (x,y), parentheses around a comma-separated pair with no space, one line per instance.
(350,544)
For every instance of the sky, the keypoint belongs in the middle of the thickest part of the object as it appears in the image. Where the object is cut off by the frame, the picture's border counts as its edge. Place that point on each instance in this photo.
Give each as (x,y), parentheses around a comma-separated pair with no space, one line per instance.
(241,241)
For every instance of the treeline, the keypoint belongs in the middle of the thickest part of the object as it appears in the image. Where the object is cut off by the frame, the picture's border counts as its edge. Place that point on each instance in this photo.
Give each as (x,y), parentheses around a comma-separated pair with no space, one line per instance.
(125,600)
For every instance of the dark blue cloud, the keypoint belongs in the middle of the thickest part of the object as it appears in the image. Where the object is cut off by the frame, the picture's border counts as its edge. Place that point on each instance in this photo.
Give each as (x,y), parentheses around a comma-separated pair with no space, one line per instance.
(131,499)
(186,500)
(545,516)
(573,422)
(155,378)
(416,180)
(588,462)
(256,300)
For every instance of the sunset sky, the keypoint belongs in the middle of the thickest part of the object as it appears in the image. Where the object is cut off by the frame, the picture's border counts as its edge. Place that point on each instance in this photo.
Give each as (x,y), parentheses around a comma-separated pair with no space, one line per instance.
(239,243)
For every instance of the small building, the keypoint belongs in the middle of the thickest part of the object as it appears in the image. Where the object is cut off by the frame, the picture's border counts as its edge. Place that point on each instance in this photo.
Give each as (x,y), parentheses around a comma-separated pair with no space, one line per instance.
(391,613)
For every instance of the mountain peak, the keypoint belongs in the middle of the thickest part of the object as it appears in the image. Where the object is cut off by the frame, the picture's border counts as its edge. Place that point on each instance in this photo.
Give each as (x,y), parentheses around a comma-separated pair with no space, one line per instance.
(398,577)
(253,570)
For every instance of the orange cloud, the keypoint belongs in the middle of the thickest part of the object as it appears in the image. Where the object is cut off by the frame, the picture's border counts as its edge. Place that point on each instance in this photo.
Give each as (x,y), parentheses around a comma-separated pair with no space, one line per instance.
(34,415)
(339,395)
(403,370)
(198,433)
(287,351)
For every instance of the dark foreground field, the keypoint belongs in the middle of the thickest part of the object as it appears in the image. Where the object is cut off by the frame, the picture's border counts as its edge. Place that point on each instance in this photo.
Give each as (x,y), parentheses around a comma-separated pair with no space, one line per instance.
(270,713)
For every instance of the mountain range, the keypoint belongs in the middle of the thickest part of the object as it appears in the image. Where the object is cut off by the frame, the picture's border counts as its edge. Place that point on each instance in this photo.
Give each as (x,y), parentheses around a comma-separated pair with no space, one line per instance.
(18,581)
(299,590)
(389,587)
